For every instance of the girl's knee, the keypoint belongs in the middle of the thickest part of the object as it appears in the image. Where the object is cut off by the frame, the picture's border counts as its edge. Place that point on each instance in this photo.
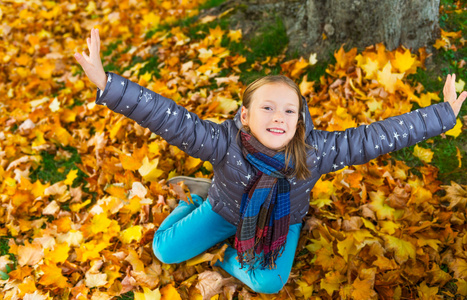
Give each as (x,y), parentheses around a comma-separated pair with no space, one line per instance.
(268,284)
(162,251)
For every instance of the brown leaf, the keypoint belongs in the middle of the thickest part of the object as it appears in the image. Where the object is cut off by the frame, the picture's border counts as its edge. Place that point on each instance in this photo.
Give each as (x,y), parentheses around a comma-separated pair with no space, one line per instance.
(150,277)
(456,194)
(210,283)
(30,254)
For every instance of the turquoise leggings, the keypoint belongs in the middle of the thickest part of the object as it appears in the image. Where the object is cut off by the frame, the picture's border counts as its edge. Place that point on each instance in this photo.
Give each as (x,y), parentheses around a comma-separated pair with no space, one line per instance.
(193,228)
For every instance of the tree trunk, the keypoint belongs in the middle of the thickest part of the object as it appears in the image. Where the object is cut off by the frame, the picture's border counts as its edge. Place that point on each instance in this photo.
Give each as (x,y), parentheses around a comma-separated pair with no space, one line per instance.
(320,26)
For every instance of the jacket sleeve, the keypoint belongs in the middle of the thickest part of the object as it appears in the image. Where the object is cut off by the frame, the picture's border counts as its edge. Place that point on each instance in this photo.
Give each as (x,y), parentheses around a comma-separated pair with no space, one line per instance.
(179,127)
(355,146)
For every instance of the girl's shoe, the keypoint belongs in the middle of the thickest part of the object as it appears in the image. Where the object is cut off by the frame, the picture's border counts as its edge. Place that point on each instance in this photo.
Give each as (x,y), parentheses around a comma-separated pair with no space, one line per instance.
(197,186)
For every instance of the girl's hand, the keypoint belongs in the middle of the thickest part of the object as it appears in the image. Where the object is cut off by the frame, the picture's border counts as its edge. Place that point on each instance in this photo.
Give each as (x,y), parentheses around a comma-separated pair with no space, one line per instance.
(450,95)
(92,64)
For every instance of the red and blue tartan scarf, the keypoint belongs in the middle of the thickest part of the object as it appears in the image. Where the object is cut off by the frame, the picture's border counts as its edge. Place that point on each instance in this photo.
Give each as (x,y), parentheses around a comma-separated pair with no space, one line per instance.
(265,208)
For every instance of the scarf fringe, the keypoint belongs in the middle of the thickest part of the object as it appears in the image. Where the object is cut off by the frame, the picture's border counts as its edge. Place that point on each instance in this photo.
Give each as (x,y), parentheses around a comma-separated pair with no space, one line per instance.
(266,261)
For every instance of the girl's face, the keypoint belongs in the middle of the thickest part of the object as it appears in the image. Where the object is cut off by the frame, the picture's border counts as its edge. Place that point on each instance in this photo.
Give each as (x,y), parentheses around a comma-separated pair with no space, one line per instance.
(273,115)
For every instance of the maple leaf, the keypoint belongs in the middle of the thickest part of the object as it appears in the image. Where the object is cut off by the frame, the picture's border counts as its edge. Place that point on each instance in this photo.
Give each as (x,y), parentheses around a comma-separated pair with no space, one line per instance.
(169,292)
(150,277)
(210,283)
(382,210)
(299,67)
(235,35)
(363,289)
(147,294)
(53,276)
(437,276)
(95,279)
(90,250)
(304,289)
(133,233)
(425,155)
(226,106)
(331,282)
(404,62)
(323,189)
(403,250)
(459,266)
(100,223)
(369,66)
(425,292)
(385,264)
(328,260)
(134,260)
(149,169)
(347,247)
(388,79)
(461,287)
(73,238)
(456,194)
(30,254)
(36,295)
(59,254)
(20,273)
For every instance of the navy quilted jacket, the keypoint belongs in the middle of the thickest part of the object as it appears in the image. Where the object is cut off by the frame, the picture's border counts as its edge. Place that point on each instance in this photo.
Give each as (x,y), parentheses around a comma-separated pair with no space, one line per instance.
(217,143)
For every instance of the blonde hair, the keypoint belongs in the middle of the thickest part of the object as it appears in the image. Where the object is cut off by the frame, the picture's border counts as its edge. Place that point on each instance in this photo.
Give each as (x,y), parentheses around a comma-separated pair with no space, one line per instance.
(296,148)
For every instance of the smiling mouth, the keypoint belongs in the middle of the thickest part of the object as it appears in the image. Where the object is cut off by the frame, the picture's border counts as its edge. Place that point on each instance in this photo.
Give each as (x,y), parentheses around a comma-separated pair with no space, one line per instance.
(275,130)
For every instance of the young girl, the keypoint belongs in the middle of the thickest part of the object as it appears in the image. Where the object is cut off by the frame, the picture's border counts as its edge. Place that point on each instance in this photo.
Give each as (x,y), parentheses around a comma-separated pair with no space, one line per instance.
(266,161)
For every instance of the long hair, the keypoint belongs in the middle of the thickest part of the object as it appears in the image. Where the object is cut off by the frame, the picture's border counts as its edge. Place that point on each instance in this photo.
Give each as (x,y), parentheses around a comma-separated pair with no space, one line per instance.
(296,148)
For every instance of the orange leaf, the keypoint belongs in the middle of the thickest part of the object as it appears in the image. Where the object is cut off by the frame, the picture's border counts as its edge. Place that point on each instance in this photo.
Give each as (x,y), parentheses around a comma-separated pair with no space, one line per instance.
(20,273)
(28,286)
(59,254)
(53,276)
(44,68)
(459,157)
(363,289)
(404,62)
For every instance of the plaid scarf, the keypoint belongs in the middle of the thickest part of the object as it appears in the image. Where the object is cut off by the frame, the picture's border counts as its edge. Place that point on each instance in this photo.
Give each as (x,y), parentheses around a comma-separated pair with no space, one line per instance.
(265,208)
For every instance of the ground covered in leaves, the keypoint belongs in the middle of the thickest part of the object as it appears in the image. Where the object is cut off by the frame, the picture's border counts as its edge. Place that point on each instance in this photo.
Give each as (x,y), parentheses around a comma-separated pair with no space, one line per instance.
(83,189)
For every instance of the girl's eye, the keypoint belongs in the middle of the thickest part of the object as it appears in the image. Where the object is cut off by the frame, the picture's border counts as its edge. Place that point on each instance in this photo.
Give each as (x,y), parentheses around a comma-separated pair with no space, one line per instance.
(267,108)
(290,111)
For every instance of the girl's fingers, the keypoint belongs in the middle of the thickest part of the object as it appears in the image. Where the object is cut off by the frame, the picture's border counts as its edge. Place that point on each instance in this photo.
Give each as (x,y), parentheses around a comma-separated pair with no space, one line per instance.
(83,63)
(462,97)
(98,41)
(95,44)
(86,57)
(88,41)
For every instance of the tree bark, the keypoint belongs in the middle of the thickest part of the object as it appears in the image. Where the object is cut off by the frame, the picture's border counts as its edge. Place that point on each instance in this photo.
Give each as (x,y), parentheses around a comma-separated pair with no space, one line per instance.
(321,26)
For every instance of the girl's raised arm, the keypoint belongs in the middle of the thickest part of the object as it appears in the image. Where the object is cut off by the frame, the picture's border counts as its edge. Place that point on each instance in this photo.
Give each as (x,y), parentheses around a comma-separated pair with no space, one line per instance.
(356,146)
(92,64)
(179,127)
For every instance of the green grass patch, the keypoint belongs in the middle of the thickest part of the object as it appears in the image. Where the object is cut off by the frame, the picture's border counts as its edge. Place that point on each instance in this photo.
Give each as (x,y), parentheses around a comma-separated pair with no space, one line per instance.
(4,248)
(53,170)
(271,40)
(444,158)
(127,296)
(210,4)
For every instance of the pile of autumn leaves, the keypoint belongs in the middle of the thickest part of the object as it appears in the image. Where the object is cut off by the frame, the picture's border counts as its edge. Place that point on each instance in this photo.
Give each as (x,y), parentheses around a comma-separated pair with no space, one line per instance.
(374,229)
